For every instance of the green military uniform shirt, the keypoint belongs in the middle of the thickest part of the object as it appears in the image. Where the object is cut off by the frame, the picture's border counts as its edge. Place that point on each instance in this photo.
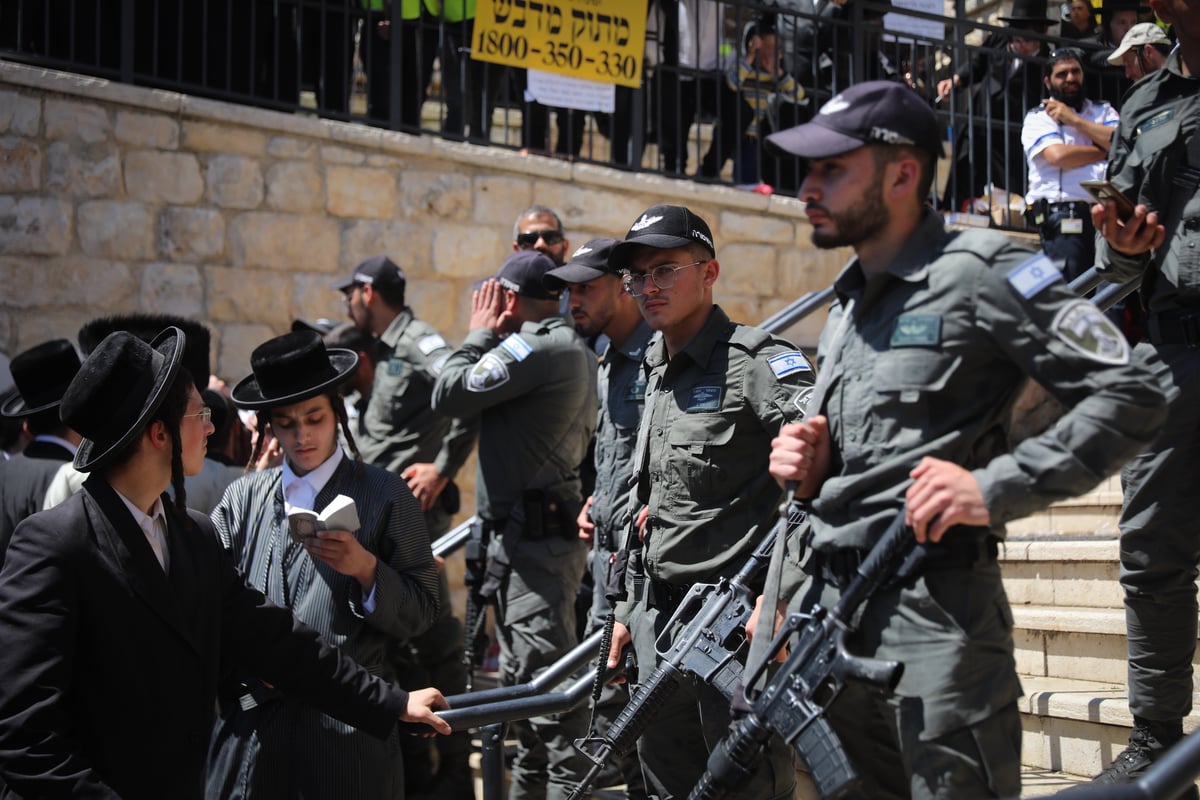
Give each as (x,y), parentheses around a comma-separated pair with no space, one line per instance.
(711,412)
(399,426)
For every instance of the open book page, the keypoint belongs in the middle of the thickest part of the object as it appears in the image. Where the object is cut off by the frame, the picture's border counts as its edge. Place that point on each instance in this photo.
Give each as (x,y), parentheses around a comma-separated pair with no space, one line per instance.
(340,515)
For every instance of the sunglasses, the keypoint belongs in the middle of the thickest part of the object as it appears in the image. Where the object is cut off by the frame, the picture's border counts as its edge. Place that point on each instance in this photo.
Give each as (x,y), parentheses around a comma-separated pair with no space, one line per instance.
(528,240)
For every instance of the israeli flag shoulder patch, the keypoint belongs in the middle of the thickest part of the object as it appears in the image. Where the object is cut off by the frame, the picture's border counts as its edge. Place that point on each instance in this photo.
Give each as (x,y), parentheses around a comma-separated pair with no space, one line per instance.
(1034,275)
(516,347)
(430,343)
(785,364)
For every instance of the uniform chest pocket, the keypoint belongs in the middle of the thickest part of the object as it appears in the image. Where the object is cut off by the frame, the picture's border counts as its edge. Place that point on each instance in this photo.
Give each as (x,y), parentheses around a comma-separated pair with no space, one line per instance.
(910,370)
(1151,142)
(698,452)
(909,382)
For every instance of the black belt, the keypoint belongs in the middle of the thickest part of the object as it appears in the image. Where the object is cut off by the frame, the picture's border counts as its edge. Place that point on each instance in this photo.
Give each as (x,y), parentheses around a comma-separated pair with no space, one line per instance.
(838,567)
(1074,205)
(1181,328)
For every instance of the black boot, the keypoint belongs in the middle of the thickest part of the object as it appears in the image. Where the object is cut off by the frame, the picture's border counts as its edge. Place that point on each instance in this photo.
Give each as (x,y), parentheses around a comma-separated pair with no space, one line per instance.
(1148,741)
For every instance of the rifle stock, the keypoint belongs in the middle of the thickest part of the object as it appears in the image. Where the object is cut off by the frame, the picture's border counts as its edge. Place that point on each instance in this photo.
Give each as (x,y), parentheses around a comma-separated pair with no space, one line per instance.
(793,702)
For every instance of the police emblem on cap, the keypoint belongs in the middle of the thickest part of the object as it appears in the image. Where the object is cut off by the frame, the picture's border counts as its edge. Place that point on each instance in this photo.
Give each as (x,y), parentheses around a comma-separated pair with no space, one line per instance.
(835,105)
(582,251)
(644,222)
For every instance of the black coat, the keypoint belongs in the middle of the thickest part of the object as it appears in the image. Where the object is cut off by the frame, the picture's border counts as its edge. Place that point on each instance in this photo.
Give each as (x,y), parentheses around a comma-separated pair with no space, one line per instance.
(111,666)
(23,483)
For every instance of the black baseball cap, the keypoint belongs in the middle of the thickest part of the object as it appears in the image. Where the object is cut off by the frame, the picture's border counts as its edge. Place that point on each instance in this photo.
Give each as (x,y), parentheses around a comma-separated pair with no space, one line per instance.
(524,272)
(587,263)
(874,112)
(378,271)
(663,228)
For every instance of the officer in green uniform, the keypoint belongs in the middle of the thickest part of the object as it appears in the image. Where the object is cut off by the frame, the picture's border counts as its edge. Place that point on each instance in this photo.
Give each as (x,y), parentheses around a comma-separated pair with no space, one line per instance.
(599,306)
(928,345)
(1155,161)
(399,431)
(532,382)
(716,393)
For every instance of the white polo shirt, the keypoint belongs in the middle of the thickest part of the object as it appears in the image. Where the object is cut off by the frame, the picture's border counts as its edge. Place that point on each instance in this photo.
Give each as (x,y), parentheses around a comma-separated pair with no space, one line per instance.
(1039,132)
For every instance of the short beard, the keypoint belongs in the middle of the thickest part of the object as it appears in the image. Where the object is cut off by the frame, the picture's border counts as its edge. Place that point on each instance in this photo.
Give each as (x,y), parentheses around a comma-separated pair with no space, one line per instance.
(856,224)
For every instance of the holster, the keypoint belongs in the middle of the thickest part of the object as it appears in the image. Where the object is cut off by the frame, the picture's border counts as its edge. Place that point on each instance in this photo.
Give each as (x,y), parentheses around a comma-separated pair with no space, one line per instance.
(549,517)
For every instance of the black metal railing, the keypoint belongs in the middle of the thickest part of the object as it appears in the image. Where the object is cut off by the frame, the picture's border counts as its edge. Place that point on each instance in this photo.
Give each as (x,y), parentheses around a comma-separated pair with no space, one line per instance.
(692,114)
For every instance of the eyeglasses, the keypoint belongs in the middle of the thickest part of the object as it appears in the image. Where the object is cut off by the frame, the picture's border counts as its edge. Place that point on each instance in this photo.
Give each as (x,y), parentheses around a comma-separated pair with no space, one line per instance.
(205,415)
(664,277)
(528,240)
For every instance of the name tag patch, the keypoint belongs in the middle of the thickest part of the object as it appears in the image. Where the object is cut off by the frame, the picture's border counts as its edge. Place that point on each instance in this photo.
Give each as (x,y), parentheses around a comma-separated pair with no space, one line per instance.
(917,330)
(516,347)
(636,392)
(488,373)
(705,398)
(395,367)
(1085,329)
(1034,275)
(1161,118)
(1072,225)
(786,364)
(430,343)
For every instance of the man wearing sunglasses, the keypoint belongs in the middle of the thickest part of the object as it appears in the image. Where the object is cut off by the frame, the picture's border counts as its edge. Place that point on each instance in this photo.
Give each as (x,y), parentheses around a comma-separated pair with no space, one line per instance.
(716,393)
(1066,141)
(539,228)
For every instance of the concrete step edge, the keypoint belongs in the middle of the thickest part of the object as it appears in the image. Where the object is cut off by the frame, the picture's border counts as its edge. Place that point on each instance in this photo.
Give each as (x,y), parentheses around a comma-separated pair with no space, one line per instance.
(1083,701)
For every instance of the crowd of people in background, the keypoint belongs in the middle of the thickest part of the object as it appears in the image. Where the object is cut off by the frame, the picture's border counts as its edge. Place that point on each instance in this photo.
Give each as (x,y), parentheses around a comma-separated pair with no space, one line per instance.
(749,70)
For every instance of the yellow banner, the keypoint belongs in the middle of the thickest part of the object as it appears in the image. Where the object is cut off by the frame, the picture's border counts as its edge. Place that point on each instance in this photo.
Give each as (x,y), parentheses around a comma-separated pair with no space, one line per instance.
(600,40)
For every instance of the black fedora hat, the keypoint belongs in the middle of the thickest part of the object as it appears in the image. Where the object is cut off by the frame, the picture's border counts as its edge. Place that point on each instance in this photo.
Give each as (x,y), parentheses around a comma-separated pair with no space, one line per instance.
(1028,12)
(291,368)
(41,375)
(117,390)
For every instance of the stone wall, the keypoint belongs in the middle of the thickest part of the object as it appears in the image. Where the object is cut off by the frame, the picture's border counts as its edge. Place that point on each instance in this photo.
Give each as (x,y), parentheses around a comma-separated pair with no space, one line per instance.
(116,198)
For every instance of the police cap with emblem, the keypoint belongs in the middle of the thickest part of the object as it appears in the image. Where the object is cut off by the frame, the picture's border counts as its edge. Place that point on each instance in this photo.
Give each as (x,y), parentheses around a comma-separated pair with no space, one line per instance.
(524,272)
(587,263)
(377,271)
(874,112)
(663,228)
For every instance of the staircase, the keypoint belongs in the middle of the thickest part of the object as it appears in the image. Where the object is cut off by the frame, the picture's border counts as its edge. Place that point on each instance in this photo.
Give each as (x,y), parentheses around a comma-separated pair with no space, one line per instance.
(1060,571)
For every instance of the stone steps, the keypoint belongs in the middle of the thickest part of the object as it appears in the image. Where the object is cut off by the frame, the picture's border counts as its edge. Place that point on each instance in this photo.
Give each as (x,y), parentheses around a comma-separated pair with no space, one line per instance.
(1060,572)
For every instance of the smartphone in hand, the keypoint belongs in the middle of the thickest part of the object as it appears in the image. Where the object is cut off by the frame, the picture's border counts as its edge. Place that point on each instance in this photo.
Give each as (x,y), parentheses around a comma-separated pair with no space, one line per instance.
(1104,191)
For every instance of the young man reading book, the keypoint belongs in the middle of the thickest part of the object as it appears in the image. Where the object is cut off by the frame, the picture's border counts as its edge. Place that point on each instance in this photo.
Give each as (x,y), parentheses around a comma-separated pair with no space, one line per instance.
(366,588)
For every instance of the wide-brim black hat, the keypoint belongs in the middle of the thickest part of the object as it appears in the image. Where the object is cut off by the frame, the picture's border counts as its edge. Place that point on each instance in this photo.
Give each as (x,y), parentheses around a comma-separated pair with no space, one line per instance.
(116,392)
(291,368)
(41,376)
(1028,12)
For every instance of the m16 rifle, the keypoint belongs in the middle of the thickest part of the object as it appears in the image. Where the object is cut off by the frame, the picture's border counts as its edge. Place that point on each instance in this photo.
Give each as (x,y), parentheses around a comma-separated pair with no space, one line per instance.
(711,644)
(793,702)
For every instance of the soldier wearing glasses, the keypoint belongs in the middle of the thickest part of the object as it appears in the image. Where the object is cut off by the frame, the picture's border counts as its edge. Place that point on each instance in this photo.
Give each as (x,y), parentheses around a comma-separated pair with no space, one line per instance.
(539,228)
(716,393)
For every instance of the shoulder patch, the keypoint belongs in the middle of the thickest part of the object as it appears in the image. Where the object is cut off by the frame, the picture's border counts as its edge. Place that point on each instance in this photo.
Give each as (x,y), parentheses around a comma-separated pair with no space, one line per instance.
(516,347)
(430,343)
(488,373)
(1034,275)
(786,364)
(1085,329)
(802,398)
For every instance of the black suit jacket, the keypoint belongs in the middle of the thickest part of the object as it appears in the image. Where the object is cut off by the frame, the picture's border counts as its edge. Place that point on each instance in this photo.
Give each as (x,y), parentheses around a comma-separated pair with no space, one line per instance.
(110,667)
(23,483)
